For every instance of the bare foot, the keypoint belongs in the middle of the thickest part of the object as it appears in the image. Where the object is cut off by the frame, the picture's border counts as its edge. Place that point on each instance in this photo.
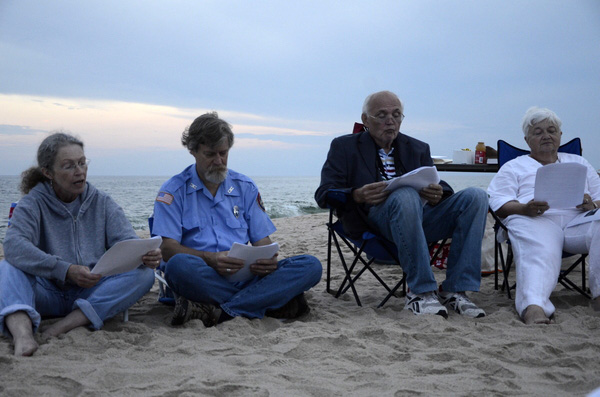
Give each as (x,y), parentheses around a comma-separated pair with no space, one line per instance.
(25,347)
(535,315)
(596,304)
(21,329)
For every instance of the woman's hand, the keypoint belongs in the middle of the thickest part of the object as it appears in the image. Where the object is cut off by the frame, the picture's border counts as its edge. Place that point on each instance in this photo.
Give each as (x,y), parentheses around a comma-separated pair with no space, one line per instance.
(588,204)
(262,267)
(535,208)
(152,258)
(82,277)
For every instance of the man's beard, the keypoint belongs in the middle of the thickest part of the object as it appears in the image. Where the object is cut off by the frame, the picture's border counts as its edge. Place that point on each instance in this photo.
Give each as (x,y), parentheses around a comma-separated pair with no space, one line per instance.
(216,175)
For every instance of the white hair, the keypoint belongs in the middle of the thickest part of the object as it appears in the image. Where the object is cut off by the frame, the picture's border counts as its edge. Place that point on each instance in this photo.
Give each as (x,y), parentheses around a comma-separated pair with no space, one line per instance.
(365,108)
(536,114)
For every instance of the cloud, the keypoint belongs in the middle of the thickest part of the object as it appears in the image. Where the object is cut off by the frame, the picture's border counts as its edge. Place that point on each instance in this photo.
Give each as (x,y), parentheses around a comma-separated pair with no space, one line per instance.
(267,130)
(9,129)
(253,143)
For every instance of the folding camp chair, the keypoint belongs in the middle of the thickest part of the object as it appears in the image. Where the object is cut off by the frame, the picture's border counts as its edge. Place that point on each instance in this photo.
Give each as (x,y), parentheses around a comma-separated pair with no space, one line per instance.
(10,214)
(367,249)
(165,293)
(507,152)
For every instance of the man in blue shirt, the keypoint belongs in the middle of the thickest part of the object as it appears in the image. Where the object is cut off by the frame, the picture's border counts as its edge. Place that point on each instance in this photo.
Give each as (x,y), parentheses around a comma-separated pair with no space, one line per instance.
(200,213)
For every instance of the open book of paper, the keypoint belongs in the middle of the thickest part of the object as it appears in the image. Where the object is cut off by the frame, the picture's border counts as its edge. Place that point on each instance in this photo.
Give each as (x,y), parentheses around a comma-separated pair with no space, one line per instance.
(125,255)
(584,217)
(250,254)
(417,179)
(561,185)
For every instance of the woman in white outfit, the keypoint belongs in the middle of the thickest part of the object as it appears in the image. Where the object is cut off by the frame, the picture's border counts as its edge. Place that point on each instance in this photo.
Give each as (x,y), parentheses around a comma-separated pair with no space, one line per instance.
(538,233)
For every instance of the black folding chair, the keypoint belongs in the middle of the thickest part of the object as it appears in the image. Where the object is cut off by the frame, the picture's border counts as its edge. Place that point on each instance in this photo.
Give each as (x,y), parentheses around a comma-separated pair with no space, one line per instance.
(366,250)
(507,152)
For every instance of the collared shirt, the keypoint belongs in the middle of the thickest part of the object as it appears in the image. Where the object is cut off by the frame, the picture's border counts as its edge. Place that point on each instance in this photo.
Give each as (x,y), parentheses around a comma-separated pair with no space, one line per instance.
(186,212)
(388,168)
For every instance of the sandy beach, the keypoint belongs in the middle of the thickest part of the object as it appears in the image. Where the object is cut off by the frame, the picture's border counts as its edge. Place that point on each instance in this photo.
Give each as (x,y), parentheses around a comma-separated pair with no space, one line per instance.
(337,349)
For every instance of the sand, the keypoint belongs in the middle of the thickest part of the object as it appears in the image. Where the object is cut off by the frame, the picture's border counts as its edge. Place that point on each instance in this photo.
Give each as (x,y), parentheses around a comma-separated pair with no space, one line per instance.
(337,349)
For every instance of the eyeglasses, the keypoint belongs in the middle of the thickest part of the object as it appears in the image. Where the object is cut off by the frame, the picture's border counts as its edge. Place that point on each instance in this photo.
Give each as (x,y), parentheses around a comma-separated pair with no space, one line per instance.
(71,166)
(382,117)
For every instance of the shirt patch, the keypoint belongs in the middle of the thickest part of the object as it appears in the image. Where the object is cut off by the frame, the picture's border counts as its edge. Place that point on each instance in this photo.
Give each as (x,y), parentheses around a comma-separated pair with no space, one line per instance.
(260,202)
(165,197)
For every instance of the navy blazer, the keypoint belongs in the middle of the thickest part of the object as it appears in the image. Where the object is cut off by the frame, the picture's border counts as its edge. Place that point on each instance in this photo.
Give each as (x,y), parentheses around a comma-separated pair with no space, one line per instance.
(352,163)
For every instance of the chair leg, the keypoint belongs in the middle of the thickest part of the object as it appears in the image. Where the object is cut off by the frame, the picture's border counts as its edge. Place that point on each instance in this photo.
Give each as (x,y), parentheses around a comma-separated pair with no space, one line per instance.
(348,274)
(126,315)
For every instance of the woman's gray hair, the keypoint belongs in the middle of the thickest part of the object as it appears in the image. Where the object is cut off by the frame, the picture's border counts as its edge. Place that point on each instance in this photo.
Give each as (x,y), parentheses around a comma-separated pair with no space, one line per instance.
(366,103)
(535,114)
(46,156)
(208,130)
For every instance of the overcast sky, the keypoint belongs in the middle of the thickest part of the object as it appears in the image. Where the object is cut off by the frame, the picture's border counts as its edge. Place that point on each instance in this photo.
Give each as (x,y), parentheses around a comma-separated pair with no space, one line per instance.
(129,76)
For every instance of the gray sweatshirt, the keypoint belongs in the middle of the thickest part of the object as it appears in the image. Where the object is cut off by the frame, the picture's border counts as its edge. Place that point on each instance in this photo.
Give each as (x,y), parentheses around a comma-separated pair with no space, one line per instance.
(44,238)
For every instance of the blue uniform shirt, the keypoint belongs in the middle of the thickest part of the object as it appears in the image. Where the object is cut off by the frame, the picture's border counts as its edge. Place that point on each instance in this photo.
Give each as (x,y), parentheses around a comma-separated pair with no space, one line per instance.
(186,212)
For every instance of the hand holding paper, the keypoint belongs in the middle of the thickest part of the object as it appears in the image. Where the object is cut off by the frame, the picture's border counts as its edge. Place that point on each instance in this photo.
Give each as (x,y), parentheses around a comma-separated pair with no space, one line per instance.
(417,179)
(250,254)
(125,256)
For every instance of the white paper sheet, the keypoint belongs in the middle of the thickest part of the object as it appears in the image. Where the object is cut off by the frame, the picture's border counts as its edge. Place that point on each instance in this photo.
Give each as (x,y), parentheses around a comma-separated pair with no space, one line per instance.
(125,255)
(587,216)
(250,254)
(417,179)
(561,185)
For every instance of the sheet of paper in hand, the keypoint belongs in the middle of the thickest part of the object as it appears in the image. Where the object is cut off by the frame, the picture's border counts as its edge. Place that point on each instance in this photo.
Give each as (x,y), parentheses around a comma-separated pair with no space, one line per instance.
(125,255)
(250,254)
(417,179)
(561,185)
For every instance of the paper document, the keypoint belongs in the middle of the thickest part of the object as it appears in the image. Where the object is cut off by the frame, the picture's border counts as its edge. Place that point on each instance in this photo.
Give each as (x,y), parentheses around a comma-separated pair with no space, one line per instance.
(249,254)
(587,216)
(125,255)
(561,185)
(417,179)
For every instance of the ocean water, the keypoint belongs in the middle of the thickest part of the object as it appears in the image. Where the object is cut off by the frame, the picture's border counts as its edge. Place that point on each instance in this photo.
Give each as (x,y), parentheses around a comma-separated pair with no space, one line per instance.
(282,196)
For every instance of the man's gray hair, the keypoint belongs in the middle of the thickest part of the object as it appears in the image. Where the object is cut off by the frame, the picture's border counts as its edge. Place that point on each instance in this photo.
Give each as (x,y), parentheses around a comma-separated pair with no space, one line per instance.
(536,114)
(367,102)
(208,130)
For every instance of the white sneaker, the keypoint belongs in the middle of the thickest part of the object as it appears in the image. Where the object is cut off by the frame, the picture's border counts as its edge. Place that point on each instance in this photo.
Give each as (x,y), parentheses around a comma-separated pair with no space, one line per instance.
(461,304)
(425,303)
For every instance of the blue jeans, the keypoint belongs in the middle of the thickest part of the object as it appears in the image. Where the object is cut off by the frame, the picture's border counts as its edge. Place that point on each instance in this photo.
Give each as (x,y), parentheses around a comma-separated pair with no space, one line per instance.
(403,220)
(190,277)
(37,296)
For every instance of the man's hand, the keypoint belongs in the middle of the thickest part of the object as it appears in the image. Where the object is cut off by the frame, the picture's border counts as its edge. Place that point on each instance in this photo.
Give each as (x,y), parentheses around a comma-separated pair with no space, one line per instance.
(432,193)
(371,193)
(262,267)
(82,277)
(225,265)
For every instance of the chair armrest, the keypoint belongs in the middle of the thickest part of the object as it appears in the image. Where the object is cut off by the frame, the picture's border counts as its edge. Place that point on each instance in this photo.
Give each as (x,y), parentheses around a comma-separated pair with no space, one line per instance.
(500,229)
(337,197)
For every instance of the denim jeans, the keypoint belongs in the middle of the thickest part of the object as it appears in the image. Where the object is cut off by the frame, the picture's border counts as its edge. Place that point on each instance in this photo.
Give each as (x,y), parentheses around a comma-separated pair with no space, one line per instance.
(403,219)
(37,296)
(190,277)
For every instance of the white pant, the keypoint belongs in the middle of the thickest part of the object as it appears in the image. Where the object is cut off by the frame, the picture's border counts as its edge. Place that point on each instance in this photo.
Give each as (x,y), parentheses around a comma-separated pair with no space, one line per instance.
(537,244)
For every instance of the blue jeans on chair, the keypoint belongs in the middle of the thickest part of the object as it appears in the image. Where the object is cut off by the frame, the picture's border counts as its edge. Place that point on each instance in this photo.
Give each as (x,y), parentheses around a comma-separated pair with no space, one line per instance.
(190,277)
(403,219)
(37,296)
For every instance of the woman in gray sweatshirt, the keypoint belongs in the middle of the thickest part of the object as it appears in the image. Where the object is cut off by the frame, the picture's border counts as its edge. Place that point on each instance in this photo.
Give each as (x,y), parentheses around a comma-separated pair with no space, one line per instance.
(59,230)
